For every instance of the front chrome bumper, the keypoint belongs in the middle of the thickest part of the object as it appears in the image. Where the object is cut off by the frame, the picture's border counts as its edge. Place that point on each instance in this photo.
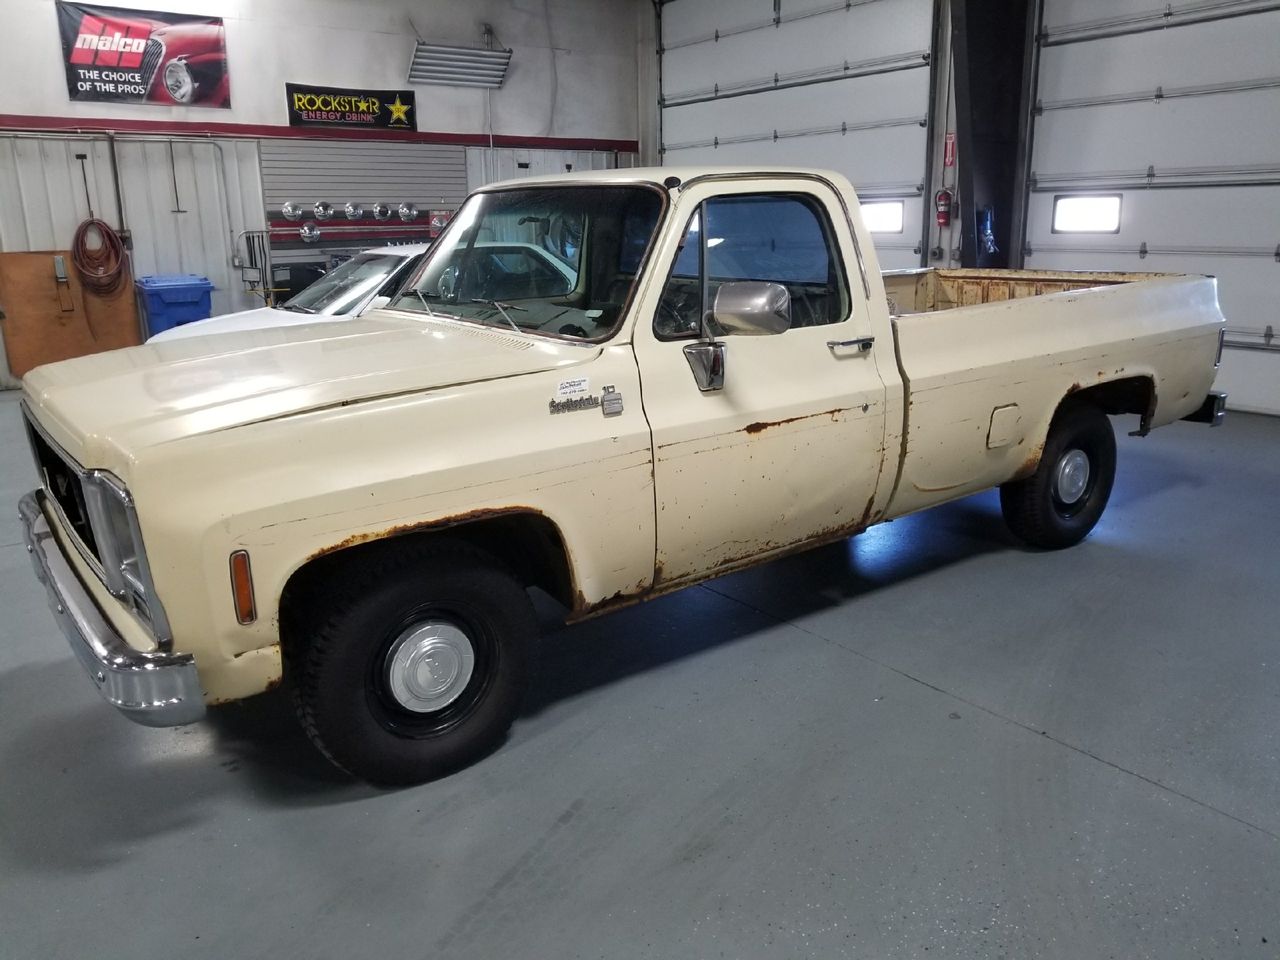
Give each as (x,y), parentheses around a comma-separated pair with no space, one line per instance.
(154,689)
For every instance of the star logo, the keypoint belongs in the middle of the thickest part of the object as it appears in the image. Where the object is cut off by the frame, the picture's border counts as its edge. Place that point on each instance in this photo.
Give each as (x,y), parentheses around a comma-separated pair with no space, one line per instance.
(399,111)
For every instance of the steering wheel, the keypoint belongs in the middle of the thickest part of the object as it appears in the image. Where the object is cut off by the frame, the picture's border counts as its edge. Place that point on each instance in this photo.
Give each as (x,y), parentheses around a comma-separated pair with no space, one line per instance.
(673,320)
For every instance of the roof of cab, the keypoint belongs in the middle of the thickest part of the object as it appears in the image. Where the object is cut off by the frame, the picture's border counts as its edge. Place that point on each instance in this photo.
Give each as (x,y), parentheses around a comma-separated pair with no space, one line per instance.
(659,174)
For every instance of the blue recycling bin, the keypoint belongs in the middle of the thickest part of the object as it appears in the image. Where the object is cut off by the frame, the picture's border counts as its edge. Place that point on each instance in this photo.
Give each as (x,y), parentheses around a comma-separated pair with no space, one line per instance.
(173,299)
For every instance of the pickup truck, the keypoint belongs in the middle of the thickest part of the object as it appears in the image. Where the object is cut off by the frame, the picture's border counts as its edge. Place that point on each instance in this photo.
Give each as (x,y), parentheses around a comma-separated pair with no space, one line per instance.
(720,375)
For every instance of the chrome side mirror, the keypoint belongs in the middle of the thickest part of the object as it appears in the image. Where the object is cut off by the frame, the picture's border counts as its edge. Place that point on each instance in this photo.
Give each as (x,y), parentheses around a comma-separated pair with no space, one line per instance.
(706,360)
(752,308)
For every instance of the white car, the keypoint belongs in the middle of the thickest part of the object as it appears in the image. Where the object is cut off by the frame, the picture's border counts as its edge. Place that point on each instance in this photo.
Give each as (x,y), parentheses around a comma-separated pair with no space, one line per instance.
(369,280)
(365,281)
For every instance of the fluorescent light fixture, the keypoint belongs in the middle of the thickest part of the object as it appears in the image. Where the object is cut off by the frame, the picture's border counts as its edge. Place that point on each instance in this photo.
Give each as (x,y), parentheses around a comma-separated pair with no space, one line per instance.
(883,217)
(452,66)
(1096,214)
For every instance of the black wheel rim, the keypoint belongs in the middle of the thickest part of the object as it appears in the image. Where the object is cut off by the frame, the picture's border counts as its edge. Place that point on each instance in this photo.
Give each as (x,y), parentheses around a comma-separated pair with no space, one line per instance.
(391,715)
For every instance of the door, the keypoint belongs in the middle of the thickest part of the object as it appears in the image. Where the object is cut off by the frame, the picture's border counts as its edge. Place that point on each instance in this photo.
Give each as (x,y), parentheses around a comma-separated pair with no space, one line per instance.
(843,86)
(1154,149)
(791,447)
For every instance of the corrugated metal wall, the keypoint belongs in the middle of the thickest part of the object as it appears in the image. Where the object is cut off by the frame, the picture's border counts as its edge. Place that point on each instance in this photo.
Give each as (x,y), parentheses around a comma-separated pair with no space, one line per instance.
(185,201)
(339,171)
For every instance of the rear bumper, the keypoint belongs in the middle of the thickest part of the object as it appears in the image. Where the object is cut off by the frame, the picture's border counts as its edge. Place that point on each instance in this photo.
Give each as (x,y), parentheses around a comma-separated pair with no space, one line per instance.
(1212,411)
(154,689)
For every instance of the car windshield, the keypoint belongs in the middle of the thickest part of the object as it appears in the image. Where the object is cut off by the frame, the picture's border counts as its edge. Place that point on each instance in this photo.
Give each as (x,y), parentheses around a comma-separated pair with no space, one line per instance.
(344,288)
(552,260)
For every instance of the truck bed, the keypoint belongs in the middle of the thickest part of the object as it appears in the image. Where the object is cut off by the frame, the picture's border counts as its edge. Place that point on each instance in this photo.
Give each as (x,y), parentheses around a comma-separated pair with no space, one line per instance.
(983,375)
(930,289)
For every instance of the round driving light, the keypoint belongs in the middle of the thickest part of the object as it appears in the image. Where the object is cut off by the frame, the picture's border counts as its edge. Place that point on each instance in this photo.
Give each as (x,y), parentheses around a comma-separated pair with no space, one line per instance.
(354,211)
(309,232)
(291,210)
(381,211)
(323,210)
(408,212)
(178,81)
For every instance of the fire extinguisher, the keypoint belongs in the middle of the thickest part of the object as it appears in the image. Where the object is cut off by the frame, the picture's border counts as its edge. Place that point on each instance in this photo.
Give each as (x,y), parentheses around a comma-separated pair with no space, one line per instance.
(942,202)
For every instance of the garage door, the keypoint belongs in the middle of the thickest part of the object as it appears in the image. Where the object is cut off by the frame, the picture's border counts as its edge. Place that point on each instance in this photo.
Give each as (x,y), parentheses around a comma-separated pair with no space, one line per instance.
(1155,149)
(428,176)
(841,85)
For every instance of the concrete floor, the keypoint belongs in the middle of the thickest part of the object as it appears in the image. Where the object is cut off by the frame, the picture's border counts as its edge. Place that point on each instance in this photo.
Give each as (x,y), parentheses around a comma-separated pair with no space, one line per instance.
(922,742)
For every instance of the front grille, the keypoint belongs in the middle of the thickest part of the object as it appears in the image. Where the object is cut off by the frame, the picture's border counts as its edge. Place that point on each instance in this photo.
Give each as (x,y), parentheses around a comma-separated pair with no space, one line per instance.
(151,59)
(62,483)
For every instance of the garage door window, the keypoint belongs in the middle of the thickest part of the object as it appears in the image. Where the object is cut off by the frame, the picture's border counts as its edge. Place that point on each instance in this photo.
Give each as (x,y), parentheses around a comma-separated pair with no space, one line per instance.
(777,238)
(883,217)
(1092,214)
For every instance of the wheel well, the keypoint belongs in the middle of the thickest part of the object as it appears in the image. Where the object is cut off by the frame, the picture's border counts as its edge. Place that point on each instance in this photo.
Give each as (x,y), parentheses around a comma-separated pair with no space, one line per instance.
(1129,395)
(526,542)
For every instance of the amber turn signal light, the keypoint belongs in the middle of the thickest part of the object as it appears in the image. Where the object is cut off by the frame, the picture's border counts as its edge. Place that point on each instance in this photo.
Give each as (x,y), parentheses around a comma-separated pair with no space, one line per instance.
(242,587)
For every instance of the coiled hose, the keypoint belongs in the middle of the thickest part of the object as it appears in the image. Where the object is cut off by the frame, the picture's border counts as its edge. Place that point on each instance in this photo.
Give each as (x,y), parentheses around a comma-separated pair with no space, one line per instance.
(101,268)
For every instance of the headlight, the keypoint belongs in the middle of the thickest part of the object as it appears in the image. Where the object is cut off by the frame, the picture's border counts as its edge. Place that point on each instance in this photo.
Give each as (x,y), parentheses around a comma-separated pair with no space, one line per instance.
(178,81)
(118,536)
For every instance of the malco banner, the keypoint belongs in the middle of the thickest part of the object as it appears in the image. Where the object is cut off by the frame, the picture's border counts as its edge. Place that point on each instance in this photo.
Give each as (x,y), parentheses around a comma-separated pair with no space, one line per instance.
(139,56)
(330,106)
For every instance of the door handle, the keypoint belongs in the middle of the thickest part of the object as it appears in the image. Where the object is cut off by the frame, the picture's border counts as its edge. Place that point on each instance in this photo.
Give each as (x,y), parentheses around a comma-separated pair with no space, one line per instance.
(862,343)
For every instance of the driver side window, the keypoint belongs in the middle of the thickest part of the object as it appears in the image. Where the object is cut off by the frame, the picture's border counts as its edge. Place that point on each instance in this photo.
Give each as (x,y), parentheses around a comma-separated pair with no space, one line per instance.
(782,238)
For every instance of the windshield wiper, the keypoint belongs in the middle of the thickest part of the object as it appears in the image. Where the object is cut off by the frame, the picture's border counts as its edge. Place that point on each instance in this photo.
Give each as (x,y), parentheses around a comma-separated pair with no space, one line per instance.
(425,306)
(502,308)
(296,308)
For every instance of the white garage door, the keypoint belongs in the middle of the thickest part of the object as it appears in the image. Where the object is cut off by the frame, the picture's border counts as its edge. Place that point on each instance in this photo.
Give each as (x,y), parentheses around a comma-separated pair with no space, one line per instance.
(1168,118)
(840,85)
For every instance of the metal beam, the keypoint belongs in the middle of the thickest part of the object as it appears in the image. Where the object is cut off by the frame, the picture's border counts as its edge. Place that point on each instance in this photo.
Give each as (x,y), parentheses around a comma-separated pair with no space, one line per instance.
(768,24)
(1161,93)
(828,130)
(804,78)
(1151,20)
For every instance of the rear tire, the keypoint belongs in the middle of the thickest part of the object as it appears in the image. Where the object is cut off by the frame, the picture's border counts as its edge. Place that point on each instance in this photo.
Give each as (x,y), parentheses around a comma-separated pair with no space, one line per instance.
(1059,504)
(414,661)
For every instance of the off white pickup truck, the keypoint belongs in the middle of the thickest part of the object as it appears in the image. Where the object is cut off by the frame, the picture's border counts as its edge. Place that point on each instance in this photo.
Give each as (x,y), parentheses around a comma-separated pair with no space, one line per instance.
(719,375)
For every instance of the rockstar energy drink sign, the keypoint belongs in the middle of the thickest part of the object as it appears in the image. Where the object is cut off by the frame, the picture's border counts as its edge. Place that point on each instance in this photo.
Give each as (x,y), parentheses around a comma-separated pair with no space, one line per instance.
(332,107)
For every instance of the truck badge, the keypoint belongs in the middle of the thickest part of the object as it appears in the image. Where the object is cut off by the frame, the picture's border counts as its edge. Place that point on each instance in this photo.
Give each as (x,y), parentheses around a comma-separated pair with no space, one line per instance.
(611,402)
(575,403)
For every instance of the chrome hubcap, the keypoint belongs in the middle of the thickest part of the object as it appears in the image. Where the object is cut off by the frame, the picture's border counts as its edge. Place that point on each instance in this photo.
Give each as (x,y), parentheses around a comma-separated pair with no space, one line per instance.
(429,666)
(1072,476)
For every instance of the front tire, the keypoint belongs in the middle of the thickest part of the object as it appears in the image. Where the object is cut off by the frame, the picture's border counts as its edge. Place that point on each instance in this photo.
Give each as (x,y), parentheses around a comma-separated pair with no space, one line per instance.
(1059,504)
(415,662)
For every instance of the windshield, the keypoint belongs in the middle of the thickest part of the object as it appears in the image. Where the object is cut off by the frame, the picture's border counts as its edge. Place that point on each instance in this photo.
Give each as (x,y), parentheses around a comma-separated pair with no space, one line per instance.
(344,288)
(553,260)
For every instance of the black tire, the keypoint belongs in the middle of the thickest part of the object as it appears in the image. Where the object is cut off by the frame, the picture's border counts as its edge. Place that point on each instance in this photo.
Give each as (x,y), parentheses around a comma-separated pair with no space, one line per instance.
(1034,509)
(342,660)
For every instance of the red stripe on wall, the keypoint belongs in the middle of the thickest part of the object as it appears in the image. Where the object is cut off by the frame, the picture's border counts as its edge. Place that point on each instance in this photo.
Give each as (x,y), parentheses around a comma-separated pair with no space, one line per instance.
(13,121)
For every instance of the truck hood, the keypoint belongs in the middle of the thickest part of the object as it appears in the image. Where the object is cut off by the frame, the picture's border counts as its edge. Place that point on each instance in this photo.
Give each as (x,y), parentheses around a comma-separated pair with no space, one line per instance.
(159,392)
